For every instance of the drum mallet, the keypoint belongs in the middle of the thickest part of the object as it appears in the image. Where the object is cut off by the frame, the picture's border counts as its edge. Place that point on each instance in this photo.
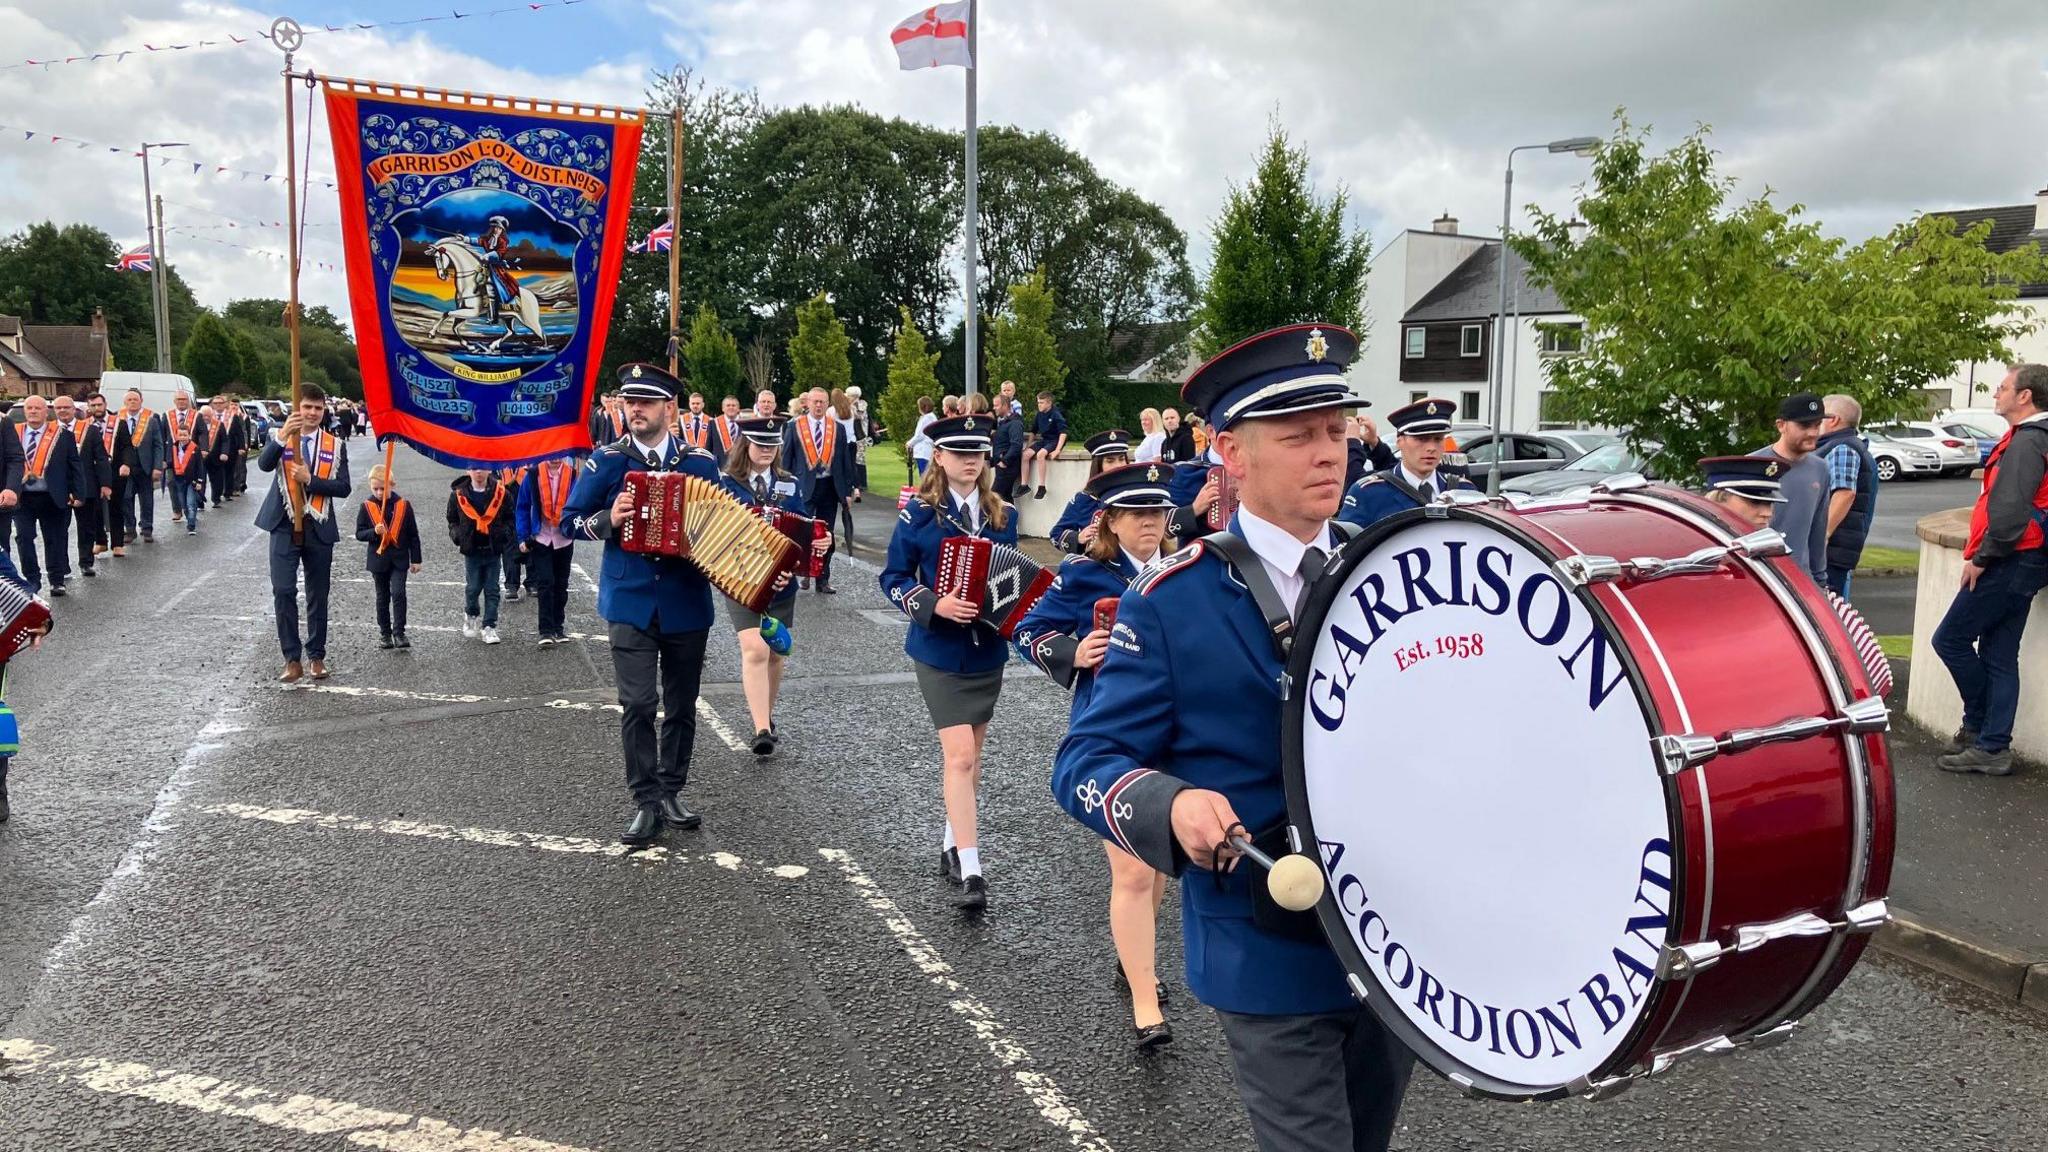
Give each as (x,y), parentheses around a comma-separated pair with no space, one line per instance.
(1294,880)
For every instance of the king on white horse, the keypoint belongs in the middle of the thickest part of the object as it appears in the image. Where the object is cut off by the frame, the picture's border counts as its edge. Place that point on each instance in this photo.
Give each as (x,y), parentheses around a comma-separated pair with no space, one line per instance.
(457,260)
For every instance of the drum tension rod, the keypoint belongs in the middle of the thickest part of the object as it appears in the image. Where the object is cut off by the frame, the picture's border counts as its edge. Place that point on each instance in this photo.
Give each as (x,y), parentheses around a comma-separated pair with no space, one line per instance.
(1678,752)
(1582,570)
(1682,962)
(1663,1062)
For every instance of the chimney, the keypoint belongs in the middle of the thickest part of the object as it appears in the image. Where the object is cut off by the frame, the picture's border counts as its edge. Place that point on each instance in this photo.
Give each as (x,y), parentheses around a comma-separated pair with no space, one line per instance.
(2041,210)
(1448,224)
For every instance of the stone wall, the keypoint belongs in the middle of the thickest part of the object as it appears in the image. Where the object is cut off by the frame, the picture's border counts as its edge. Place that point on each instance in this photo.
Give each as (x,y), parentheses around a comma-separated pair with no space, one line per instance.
(1931,698)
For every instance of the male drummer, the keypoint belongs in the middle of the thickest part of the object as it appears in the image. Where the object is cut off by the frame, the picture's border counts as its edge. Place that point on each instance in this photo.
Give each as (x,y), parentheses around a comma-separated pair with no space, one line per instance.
(1746,485)
(1178,748)
(1414,480)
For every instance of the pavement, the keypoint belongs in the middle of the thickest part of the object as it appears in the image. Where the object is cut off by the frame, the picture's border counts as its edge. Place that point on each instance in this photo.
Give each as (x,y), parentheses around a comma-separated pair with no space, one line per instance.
(389,911)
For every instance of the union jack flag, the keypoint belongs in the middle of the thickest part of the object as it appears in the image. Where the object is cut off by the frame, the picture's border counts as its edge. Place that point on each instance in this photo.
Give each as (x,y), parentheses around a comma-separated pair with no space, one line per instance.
(135,260)
(657,240)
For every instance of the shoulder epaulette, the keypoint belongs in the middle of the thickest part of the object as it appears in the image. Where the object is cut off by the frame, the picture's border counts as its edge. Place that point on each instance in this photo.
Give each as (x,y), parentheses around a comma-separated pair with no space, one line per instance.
(1375,478)
(1184,558)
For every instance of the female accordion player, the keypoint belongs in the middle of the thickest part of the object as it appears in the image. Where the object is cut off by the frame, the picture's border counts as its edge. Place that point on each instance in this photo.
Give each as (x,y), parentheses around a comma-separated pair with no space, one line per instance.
(755,477)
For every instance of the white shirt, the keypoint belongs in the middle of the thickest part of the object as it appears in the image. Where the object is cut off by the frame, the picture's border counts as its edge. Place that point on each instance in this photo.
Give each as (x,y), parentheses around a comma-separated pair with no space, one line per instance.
(1148,448)
(1140,566)
(660,450)
(970,504)
(1279,552)
(920,444)
(1424,485)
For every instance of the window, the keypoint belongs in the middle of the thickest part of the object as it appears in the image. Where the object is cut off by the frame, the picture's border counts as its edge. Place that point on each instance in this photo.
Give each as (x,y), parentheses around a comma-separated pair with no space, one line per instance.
(1468,406)
(1478,452)
(1417,337)
(1564,339)
(1417,397)
(1550,411)
(1530,448)
(1469,340)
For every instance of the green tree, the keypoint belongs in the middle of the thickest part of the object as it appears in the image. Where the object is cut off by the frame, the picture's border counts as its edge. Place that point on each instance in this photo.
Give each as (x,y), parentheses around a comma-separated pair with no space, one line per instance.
(913,372)
(1020,341)
(58,275)
(1282,256)
(714,357)
(252,374)
(817,353)
(1703,315)
(209,356)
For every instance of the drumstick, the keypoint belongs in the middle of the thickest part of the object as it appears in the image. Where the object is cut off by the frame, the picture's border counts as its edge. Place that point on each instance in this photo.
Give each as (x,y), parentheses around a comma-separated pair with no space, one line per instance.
(1294,880)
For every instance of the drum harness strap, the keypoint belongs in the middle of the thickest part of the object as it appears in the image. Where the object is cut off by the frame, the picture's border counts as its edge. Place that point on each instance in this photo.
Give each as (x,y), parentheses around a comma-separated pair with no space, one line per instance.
(1278,613)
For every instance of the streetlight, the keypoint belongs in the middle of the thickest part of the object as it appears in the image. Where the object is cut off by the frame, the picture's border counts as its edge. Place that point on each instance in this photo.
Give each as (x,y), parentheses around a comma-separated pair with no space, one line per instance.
(159,288)
(1577,145)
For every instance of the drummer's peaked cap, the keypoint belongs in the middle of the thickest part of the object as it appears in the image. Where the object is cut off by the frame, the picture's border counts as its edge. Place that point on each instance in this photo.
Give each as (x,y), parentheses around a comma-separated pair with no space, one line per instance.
(763,430)
(962,433)
(1134,486)
(1299,368)
(1755,477)
(647,382)
(1423,418)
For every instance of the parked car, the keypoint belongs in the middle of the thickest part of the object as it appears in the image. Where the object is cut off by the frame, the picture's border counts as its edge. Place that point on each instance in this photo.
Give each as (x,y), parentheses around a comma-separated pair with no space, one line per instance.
(1526,452)
(1985,418)
(1603,463)
(1958,456)
(1985,440)
(1581,440)
(1897,458)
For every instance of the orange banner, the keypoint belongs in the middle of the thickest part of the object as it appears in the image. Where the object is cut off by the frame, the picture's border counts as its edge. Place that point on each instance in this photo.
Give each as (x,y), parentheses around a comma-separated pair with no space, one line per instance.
(476,152)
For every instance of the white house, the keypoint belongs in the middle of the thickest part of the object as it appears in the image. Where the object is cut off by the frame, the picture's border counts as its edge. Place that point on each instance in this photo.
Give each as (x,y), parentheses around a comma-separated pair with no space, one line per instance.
(2011,227)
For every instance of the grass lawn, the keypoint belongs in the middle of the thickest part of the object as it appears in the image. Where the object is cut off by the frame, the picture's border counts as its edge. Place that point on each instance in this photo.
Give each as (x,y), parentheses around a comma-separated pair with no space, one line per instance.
(886,472)
(1896,647)
(1889,559)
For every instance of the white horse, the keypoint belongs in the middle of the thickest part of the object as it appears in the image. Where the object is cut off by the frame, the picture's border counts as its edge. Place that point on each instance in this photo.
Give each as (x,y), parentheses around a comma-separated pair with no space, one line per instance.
(457,261)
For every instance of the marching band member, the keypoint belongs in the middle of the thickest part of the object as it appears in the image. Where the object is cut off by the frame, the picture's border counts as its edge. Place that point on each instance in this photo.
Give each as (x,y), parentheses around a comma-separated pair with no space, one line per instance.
(755,476)
(315,476)
(543,494)
(188,478)
(1195,491)
(480,524)
(387,524)
(10,732)
(1419,431)
(1075,528)
(658,607)
(1177,748)
(190,423)
(1061,637)
(95,470)
(725,430)
(223,422)
(695,426)
(959,662)
(513,560)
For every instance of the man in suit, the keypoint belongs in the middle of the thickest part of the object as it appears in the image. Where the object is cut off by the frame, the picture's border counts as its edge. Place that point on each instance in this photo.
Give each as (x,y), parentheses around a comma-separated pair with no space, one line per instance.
(10,482)
(820,455)
(313,478)
(145,431)
(93,469)
(186,421)
(122,462)
(725,430)
(52,481)
(224,435)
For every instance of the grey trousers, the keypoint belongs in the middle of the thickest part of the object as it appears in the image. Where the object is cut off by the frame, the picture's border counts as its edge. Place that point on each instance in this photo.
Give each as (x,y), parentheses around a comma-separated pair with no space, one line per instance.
(1330,1082)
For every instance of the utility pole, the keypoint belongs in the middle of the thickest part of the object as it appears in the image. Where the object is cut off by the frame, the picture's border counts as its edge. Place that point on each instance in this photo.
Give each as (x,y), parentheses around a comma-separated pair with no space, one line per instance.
(159,282)
(161,262)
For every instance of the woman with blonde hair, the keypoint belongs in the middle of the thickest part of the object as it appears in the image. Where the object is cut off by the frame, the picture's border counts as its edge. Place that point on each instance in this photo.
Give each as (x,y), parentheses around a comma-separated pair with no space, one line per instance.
(1153,440)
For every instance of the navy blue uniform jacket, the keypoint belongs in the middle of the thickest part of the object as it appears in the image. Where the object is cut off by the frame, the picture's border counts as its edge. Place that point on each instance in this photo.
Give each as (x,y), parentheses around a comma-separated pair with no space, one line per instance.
(911,571)
(652,593)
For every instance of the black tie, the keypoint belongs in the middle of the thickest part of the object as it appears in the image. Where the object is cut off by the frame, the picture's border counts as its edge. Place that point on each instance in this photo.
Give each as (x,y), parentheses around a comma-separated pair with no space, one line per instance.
(761,489)
(653,461)
(1310,568)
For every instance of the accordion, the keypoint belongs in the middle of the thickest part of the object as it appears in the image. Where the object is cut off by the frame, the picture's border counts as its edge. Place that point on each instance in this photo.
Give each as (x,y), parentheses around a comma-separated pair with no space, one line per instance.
(1001,582)
(676,514)
(804,532)
(1225,507)
(23,616)
(1105,613)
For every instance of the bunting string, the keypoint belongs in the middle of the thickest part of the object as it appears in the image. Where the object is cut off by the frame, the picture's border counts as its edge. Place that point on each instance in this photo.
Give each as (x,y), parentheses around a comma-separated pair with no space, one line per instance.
(183,230)
(173,163)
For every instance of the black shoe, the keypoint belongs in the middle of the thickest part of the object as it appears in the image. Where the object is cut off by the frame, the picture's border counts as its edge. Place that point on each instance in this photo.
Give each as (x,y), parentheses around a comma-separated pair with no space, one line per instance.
(763,743)
(973,895)
(825,589)
(949,866)
(4,808)
(1123,984)
(511,594)
(398,640)
(384,641)
(89,572)
(642,828)
(1041,492)
(1153,1036)
(677,813)
(58,590)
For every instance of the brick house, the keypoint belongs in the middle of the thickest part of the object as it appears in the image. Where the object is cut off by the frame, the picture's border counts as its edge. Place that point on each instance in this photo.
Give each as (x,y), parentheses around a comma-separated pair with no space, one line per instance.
(52,359)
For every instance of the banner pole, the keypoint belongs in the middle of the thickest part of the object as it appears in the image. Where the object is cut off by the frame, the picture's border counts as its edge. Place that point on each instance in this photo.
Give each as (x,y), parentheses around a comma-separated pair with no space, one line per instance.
(675,199)
(973,368)
(286,34)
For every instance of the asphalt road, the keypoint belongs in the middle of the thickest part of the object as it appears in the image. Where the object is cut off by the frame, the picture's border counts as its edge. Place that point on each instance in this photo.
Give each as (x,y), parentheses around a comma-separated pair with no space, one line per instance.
(1901,504)
(389,912)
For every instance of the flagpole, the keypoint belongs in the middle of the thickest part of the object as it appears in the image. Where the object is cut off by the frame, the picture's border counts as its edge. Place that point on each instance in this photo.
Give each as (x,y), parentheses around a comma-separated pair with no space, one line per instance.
(973,369)
(286,34)
(675,196)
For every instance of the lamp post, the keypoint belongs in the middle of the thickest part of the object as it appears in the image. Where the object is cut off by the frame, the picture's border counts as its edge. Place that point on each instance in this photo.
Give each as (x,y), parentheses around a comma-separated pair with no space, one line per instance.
(159,288)
(1579,145)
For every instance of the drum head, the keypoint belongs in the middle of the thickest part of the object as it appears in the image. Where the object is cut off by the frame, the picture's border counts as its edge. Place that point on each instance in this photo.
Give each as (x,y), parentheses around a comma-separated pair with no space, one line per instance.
(1468,749)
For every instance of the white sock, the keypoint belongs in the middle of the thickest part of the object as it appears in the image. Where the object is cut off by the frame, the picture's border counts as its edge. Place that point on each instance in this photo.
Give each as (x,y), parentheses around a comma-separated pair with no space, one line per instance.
(970,861)
(949,842)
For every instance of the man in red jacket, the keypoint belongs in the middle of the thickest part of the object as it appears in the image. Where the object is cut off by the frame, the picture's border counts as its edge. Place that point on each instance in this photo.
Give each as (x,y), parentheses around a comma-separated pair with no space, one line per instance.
(2005,563)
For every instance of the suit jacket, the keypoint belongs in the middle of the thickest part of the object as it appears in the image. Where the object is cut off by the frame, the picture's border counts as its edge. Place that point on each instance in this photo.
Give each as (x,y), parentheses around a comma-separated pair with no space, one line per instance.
(722,439)
(229,440)
(95,465)
(123,452)
(64,471)
(840,471)
(11,459)
(155,446)
(275,515)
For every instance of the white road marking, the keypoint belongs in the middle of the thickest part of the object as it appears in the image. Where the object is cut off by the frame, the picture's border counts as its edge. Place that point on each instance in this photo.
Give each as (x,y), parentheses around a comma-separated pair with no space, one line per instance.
(589,585)
(199,581)
(1052,1103)
(409,627)
(496,838)
(356,1123)
(396,693)
(710,717)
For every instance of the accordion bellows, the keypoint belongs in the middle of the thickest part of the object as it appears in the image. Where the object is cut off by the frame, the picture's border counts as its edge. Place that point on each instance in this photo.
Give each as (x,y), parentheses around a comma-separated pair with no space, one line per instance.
(676,514)
(1002,583)
(22,615)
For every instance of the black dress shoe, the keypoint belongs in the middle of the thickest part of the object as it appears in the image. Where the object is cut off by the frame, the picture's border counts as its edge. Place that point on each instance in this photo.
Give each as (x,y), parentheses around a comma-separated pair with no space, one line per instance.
(398,640)
(973,895)
(677,813)
(763,743)
(825,589)
(949,865)
(384,641)
(1123,984)
(642,828)
(1153,1036)
(58,590)
(89,573)
(4,809)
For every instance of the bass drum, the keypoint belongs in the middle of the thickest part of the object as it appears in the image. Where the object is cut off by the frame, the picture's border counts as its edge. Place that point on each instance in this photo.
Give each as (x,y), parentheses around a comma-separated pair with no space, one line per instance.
(1597,786)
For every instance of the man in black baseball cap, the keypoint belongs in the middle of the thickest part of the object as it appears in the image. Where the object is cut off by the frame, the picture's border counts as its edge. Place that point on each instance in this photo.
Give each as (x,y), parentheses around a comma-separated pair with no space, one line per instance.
(1802,482)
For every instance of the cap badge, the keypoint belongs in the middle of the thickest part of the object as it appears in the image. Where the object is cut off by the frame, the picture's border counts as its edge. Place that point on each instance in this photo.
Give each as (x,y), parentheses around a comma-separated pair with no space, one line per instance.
(1771,469)
(636,371)
(1317,346)
(1152,473)
(1432,410)
(969,425)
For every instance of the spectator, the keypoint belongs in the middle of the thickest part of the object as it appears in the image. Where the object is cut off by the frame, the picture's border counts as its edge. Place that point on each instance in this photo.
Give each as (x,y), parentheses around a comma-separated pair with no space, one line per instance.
(1803,481)
(1009,448)
(1048,437)
(1179,445)
(1008,391)
(920,444)
(863,433)
(977,404)
(951,407)
(1199,432)
(2005,564)
(1153,440)
(1852,487)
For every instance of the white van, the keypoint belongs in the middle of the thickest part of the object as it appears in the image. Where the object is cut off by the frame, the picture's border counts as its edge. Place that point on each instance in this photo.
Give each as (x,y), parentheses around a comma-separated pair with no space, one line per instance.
(156,388)
(1983,418)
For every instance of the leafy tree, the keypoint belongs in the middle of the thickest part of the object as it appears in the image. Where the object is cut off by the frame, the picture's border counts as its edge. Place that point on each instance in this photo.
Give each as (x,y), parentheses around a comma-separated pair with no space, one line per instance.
(817,353)
(209,357)
(327,353)
(1282,256)
(1704,315)
(713,356)
(913,372)
(58,275)
(1020,341)
(252,375)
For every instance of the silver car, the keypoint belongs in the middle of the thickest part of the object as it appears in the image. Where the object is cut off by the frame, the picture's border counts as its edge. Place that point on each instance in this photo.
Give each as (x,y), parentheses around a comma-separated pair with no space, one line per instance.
(1958,456)
(1896,458)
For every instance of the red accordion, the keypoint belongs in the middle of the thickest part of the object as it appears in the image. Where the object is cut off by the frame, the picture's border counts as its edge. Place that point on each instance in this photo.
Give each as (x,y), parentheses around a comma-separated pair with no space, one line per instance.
(804,532)
(23,616)
(676,514)
(1225,507)
(656,525)
(1105,613)
(1001,582)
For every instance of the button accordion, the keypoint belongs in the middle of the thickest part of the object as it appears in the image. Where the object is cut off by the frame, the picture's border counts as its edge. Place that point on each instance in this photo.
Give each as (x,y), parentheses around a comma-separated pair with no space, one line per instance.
(23,616)
(676,514)
(1001,582)
(1225,507)
(804,532)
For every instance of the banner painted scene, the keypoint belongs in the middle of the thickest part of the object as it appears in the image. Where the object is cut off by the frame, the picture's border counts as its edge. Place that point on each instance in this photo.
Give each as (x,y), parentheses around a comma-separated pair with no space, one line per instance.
(483,245)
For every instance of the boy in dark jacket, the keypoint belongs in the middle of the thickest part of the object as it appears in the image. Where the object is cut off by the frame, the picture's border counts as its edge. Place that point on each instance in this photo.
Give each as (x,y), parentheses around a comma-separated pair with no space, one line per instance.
(188,480)
(480,522)
(387,523)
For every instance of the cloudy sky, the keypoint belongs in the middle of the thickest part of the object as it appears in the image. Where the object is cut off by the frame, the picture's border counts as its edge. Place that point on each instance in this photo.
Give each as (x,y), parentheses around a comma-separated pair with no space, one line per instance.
(1864,110)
